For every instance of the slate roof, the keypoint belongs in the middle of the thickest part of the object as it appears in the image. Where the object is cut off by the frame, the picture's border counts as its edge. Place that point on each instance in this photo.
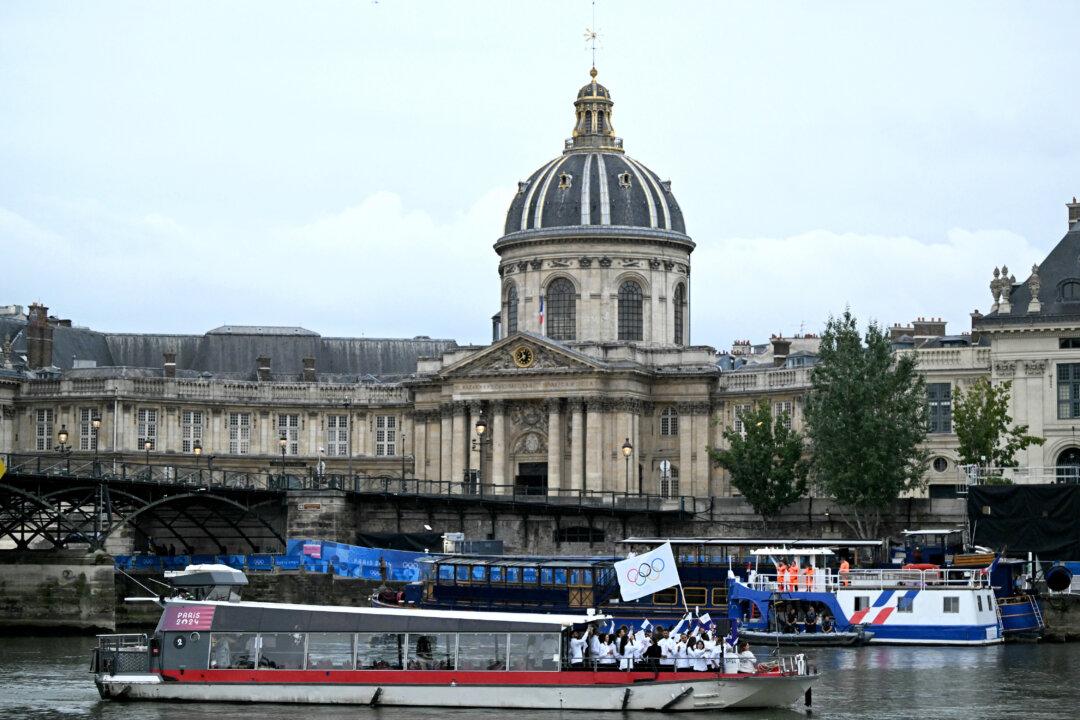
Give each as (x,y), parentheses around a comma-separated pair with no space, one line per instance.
(1060,266)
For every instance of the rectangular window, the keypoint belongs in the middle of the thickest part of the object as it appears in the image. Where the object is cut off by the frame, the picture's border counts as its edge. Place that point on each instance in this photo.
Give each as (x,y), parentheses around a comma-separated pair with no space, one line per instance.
(289,428)
(337,435)
(380,651)
(44,427)
(695,596)
(513,575)
(330,651)
(237,651)
(978,600)
(87,434)
(496,574)
(862,602)
(147,427)
(669,422)
(665,597)
(535,651)
(481,651)
(529,575)
(1069,343)
(905,604)
(951,604)
(191,430)
(783,412)
(737,422)
(1068,390)
(239,433)
(385,435)
(719,596)
(431,651)
(281,651)
(939,407)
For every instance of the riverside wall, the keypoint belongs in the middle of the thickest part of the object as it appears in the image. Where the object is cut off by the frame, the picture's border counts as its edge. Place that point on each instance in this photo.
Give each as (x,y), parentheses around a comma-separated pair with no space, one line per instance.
(56,591)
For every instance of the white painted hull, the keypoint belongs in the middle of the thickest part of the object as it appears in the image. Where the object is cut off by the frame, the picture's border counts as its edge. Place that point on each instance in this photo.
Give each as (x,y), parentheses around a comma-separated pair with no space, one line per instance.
(693,693)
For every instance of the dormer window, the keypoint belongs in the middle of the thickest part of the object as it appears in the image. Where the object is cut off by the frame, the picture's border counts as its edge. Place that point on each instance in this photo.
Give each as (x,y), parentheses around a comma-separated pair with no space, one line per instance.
(624,180)
(1070,291)
(522,185)
(565,179)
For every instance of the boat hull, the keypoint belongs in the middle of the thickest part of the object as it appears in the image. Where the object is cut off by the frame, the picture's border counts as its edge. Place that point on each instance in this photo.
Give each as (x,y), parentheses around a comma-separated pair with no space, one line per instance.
(820,639)
(612,690)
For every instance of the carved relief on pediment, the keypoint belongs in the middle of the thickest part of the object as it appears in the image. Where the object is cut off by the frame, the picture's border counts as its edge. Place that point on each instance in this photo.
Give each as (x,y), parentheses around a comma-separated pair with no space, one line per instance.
(539,358)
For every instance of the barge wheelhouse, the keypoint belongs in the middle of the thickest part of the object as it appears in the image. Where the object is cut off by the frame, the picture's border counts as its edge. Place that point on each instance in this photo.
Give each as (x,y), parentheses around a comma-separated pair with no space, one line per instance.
(234,651)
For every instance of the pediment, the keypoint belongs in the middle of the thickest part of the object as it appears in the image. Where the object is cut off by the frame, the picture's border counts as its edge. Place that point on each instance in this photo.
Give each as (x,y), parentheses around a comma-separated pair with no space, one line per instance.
(523,353)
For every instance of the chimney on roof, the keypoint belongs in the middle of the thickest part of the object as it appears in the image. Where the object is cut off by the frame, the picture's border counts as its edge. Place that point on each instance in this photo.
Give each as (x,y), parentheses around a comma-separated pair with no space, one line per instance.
(898,331)
(169,364)
(39,337)
(780,349)
(976,316)
(924,328)
(1074,212)
(262,367)
(309,369)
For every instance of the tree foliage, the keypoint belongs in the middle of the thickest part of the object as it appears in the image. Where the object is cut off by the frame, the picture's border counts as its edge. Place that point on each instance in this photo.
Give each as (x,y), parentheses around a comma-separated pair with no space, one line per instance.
(766,461)
(865,419)
(982,422)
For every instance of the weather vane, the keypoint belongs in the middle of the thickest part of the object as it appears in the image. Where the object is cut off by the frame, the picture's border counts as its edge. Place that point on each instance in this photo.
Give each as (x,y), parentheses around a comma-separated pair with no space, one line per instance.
(592,35)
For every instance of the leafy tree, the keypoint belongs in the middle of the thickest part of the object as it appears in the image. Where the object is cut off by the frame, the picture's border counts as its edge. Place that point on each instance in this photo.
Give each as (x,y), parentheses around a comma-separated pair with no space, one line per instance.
(981,421)
(865,419)
(766,462)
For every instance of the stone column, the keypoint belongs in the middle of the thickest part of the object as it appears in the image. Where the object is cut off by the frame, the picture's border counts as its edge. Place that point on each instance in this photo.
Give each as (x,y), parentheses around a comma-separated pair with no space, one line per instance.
(594,445)
(687,430)
(555,445)
(460,444)
(497,428)
(700,451)
(577,444)
(446,442)
(470,433)
(639,451)
(420,445)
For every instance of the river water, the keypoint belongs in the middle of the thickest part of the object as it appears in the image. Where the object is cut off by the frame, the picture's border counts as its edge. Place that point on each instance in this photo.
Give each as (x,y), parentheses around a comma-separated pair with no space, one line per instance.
(42,678)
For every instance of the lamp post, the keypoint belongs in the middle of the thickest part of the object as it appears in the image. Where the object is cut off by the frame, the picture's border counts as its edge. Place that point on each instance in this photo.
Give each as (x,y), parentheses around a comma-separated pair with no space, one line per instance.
(196,448)
(95,424)
(147,443)
(481,428)
(627,451)
(283,442)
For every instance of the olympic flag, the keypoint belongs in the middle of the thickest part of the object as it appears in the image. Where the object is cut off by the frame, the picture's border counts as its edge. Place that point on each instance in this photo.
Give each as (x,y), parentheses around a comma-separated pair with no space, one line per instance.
(643,575)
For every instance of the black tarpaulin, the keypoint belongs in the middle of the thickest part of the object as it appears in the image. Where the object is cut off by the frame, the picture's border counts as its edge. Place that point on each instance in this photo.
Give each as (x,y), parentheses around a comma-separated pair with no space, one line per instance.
(1042,519)
(415,542)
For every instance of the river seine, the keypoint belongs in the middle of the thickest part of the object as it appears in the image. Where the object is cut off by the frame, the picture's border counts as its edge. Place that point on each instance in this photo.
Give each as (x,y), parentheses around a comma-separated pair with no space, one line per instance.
(46,677)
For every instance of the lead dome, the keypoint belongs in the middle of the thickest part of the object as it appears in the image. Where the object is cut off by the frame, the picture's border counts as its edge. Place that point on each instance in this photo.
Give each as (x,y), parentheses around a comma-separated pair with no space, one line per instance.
(594,182)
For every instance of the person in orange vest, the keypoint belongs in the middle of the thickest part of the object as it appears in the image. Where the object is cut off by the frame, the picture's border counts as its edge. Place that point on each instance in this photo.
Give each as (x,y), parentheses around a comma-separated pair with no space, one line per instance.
(793,576)
(781,572)
(844,570)
(808,577)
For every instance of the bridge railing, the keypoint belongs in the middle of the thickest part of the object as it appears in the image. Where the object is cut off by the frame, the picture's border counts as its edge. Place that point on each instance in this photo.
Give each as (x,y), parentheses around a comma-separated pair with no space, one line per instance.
(57,464)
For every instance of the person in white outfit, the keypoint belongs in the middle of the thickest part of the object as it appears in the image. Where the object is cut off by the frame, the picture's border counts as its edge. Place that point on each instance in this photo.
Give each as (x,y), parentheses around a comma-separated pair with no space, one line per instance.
(606,656)
(682,656)
(577,647)
(700,656)
(747,660)
(667,651)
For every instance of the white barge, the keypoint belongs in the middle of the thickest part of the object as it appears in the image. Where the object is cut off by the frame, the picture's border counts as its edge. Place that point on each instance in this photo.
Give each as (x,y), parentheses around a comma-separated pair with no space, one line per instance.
(212,647)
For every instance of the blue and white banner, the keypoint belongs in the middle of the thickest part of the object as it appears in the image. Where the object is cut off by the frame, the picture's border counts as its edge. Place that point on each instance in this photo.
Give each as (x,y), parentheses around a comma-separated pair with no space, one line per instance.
(643,575)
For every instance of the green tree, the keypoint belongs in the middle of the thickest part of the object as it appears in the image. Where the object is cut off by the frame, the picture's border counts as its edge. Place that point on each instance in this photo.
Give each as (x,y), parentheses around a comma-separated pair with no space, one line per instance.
(982,422)
(865,419)
(766,461)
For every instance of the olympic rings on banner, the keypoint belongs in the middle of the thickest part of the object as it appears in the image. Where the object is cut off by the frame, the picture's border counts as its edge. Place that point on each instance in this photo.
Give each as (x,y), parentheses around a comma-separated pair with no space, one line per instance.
(645,572)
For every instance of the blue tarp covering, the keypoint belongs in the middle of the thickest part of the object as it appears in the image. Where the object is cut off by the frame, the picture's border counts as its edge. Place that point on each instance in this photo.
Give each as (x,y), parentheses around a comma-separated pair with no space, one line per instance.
(311,555)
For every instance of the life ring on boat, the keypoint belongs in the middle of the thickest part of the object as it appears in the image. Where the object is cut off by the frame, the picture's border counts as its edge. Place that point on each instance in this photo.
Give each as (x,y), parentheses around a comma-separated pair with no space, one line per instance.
(921,566)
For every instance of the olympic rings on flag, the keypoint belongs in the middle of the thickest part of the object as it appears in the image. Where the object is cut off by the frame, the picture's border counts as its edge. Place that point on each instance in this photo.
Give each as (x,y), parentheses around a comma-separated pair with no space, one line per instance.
(645,572)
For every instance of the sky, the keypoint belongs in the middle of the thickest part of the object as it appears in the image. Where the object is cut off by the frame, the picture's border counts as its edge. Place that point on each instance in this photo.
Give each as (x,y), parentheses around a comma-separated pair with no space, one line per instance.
(346,166)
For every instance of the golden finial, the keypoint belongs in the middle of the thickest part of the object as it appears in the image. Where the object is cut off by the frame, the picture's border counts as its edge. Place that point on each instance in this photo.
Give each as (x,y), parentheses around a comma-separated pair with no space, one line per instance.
(592,74)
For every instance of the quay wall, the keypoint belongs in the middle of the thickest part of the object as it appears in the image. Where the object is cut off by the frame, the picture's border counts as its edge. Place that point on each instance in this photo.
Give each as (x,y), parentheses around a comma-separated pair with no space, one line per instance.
(56,591)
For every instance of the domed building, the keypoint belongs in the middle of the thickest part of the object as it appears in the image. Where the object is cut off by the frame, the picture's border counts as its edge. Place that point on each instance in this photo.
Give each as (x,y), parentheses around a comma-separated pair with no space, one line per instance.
(590,383)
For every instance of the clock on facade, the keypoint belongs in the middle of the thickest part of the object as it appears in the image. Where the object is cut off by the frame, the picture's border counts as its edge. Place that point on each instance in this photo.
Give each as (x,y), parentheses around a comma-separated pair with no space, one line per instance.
(523,356)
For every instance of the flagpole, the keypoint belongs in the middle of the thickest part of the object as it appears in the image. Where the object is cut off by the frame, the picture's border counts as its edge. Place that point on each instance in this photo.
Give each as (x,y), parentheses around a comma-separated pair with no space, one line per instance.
(682,594)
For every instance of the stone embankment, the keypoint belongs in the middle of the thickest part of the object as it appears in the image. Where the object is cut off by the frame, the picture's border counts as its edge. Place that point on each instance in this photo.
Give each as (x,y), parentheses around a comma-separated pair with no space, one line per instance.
(56,591)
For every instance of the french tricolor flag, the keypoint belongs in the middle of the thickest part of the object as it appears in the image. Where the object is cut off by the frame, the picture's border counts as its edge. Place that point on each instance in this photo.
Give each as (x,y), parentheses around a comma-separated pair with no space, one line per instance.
(541,311)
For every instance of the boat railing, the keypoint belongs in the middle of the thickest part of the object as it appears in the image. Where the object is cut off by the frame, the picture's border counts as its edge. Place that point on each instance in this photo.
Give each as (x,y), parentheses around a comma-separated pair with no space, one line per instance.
(873,579)
(122,654)
(781,664)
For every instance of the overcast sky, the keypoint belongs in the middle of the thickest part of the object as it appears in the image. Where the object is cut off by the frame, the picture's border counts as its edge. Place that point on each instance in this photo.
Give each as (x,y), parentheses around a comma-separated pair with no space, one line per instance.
(346,166)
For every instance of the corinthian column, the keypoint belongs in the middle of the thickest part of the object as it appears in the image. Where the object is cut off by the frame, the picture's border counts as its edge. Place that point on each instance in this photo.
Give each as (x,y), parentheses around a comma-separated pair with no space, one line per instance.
(498,444)
(577,444)
(594,445)
(446,442)
(460,444)
(555,437)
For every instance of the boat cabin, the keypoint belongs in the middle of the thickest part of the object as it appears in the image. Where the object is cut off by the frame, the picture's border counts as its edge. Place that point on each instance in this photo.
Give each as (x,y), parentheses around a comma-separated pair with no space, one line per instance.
(207,582)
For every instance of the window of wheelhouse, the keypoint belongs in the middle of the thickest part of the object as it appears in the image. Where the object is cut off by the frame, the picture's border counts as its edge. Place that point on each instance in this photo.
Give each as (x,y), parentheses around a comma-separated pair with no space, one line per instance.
(479,573)
(446,573)
(679,303)
(432,651)
(481,651)
(665,597)
(513,575)
(529,575)
(462,573)
(534,651)
(631,316)
(547,576)
(561,310)
(236,651)
(511,309)
(496,573)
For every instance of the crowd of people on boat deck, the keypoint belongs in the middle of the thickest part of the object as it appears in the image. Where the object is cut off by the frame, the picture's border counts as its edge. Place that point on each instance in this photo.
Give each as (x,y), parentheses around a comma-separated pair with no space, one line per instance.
(804,617)
(653,648)
(791,577)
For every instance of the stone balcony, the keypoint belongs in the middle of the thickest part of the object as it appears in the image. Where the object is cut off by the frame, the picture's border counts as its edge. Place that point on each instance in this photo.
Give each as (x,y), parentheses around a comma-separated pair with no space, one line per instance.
(770,379)
(960,358)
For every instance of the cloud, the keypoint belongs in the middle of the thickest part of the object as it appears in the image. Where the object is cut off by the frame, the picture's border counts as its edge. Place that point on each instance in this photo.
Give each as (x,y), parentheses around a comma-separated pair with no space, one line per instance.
(382,268)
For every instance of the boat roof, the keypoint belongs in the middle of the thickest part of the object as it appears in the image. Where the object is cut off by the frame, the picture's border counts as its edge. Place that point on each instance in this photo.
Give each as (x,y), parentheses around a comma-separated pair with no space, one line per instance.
(755,542)
(946,531)
(404,615)
(808,552)
(205,575)
(509,562)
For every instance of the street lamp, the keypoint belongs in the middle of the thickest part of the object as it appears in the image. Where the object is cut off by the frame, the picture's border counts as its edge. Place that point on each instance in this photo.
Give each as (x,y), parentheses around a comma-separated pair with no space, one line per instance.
(481,428)
(61,440)
(95,423)
(627,451)
(147,443)
(283,443)
(402,450)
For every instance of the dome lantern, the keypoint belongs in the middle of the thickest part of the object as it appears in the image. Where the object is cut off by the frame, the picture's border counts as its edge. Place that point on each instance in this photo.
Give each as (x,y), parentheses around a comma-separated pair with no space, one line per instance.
(593,129)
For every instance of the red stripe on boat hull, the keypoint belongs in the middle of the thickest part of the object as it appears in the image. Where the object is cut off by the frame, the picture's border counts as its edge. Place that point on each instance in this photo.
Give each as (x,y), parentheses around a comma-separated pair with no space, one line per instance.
(440,677)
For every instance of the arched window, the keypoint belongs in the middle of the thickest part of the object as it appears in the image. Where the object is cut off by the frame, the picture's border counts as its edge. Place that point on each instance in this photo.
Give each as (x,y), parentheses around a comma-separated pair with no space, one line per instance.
(561,301)
(511,309)
(680,312)
(669,422)
(669,483)
(630,314)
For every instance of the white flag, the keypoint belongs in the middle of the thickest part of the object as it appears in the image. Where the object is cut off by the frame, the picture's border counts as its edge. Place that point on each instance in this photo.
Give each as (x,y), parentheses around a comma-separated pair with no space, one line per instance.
(705,619)
(643,575)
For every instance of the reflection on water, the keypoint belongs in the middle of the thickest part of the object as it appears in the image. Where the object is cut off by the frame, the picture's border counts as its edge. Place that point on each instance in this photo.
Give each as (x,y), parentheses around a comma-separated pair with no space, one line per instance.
(44,678)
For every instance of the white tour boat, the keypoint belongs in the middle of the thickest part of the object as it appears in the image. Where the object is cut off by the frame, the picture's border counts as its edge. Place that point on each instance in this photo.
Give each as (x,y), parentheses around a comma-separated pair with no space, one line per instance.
(209,646)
